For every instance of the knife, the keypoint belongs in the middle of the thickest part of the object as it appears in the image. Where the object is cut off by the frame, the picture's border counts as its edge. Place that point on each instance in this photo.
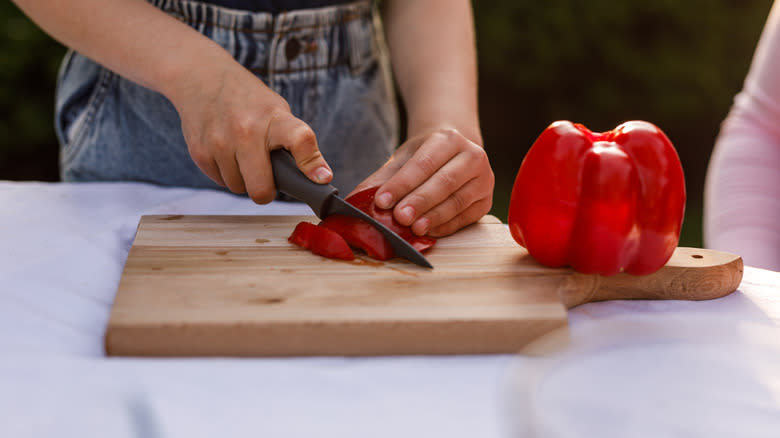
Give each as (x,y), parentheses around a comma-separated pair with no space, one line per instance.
(325,201)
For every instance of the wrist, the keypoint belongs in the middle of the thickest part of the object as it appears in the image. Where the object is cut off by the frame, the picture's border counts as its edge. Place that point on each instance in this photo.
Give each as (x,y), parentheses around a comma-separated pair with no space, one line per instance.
(191,71)
(450,108)
(467,128)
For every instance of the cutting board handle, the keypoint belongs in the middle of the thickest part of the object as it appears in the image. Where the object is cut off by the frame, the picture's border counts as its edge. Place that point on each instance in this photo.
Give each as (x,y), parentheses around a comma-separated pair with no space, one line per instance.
(690,274)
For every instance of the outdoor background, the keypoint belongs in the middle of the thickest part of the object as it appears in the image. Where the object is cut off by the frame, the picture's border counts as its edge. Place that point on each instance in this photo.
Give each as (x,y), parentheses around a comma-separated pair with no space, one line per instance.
(675,63)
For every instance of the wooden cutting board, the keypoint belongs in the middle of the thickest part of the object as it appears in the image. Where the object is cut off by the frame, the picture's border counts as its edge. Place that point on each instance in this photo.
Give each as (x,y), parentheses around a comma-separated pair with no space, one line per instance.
(234,286)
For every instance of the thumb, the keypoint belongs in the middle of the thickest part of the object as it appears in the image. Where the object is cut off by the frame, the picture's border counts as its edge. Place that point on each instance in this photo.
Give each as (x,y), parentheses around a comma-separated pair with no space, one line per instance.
(288,132)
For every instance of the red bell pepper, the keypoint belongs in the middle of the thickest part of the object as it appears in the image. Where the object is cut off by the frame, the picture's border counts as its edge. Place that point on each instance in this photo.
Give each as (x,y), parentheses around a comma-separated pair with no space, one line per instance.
(364,201)
(361,234)
(321,241)
(600,202)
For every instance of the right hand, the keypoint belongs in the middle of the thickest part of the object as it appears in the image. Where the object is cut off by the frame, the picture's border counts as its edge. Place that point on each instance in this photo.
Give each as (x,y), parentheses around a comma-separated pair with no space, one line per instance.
(231,121)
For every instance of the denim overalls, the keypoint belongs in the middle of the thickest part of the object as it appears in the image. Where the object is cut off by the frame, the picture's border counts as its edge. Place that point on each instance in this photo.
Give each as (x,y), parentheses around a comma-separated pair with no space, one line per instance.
(330,64)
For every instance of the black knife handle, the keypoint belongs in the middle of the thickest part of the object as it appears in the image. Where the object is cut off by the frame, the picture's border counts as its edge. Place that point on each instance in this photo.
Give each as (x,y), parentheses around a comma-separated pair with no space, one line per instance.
(290,180)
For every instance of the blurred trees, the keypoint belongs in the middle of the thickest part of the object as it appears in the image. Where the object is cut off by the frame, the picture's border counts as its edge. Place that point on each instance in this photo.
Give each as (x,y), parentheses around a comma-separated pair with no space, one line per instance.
(29,60)
(597,62)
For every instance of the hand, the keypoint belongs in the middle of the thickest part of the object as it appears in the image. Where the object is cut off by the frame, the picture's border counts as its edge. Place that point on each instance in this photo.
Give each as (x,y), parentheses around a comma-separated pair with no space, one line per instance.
(231,121)
(436,183)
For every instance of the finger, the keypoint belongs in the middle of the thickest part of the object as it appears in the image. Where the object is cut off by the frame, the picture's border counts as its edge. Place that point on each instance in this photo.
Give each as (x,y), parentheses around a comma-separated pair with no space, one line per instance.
(291,133)
(229,170)
(434,153)
(438,188)
(211,170)
(391,166)
(472,214)
(205,162)
(377,178)
(454,205)
(470,162)
(255,167)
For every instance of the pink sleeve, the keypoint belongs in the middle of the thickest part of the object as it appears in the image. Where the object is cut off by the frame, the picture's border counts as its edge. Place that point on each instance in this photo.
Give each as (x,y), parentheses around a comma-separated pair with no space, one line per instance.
(742,190)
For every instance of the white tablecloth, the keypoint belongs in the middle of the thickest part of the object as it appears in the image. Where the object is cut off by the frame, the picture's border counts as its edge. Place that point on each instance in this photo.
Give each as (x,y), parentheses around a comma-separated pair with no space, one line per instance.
(639,368)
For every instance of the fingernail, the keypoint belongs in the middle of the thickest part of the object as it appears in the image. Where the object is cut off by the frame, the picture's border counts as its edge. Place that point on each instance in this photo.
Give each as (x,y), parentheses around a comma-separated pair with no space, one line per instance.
(322,174)
(407,213)
(384,200)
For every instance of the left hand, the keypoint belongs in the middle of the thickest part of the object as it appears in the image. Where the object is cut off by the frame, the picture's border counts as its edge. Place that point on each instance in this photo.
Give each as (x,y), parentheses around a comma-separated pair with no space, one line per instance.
(437,183)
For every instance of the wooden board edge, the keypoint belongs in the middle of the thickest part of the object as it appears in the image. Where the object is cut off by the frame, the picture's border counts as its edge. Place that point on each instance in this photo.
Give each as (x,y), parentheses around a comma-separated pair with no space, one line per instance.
(306,340)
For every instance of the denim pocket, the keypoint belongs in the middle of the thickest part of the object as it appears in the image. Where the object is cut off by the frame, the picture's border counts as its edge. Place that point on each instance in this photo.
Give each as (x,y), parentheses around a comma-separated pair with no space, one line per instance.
(81,89)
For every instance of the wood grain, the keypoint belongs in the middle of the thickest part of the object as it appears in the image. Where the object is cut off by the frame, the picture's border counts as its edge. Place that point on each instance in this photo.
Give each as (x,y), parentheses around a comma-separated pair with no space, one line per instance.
(234,286)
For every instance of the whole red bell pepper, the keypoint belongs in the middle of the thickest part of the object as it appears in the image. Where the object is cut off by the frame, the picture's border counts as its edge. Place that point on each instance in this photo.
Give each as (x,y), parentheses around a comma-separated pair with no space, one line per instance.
(601,203)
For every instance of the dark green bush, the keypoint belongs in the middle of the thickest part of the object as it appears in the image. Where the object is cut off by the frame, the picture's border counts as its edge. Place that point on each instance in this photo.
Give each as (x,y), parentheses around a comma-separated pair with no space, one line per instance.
(28,65)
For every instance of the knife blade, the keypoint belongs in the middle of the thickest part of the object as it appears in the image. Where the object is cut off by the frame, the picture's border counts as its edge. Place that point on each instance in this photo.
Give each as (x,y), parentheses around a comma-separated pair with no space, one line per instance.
(325,201)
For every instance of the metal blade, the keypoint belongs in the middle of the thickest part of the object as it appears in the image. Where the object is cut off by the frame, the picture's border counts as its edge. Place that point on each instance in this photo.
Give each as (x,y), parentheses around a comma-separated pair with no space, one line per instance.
(402,248)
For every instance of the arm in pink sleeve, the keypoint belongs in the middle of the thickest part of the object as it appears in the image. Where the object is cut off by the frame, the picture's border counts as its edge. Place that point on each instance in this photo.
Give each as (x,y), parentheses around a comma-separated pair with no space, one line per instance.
(742,190)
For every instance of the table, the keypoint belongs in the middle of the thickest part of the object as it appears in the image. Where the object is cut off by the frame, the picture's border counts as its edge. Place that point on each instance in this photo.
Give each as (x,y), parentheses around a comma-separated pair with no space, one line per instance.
(633,368)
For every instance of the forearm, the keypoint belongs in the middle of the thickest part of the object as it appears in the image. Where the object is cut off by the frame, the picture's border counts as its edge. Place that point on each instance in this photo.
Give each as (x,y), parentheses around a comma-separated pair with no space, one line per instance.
(230,120)
(434,60)
(130,37)
(742,194)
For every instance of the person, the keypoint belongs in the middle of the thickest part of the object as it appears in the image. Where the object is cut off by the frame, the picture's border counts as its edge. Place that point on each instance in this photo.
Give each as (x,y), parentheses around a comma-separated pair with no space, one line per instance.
(742,187)
(196,93)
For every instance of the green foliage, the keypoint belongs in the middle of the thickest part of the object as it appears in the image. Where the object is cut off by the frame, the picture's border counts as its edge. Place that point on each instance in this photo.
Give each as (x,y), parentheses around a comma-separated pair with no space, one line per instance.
(29,60)
(610,60)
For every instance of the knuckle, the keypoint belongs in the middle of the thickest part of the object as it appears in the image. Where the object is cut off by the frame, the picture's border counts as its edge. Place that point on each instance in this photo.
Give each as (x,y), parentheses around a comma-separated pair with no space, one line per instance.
(488,179)
(262,196)
(477,155)
(447,134)
(426,163)
(418,200)
(200,156)
(483,207)
(215,139)
(459,202)
(448,181)
(273,118)
(304,131)
(236,186)
(491,178)
(278,105)
(304,137)
(436,216)
(276,110)
(491,181)
(245,125)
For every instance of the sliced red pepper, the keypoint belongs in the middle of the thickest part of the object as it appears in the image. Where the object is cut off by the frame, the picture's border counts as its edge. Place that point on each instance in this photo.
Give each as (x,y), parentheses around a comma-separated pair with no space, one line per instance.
(599,202)
(360,234)
(364,201)
(321,241)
